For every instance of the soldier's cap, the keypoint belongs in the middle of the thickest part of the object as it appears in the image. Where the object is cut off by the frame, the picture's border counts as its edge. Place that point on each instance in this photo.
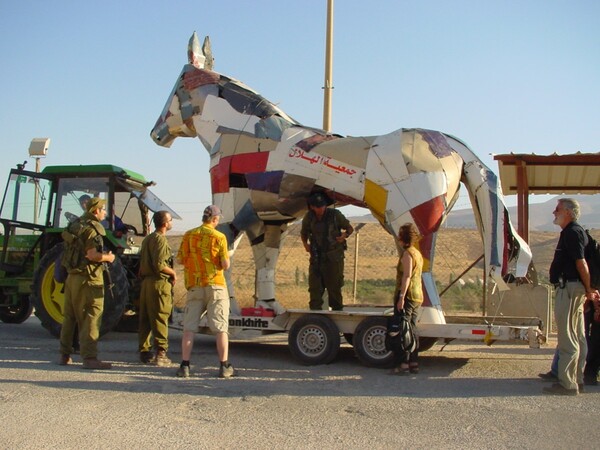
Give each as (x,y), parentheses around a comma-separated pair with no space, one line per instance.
(210,212)
(319,199)
(95,203)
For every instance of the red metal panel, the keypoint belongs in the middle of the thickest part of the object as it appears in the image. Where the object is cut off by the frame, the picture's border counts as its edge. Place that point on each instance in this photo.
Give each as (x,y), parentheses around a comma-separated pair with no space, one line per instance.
(194,78)
(428,215)
(219,176)
(249,162)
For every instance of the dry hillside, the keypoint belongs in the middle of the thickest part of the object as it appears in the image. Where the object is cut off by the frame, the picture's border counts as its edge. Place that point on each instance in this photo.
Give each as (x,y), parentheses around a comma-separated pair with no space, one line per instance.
(374,266)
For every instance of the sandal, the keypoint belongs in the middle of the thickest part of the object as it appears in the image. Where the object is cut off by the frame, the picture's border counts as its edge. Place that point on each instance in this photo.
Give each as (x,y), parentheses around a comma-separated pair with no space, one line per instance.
(401,371)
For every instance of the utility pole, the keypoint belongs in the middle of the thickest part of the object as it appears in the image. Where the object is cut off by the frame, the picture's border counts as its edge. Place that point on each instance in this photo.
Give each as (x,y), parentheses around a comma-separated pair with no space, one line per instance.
(328,87)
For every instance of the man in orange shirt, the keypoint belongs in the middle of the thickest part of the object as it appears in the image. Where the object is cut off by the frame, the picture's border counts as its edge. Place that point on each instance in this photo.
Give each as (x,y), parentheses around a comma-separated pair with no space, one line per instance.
(203,253)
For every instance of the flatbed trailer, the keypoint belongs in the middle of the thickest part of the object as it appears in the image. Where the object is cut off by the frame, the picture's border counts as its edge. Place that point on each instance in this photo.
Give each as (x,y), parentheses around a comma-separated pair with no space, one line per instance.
(314,337)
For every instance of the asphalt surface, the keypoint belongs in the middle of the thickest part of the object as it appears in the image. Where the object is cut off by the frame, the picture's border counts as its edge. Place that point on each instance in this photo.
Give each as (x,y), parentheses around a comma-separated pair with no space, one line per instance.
(466,396)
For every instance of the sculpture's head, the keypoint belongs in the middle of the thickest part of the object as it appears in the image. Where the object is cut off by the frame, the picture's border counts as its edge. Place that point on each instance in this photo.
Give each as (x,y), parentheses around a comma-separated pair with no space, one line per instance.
(176,117)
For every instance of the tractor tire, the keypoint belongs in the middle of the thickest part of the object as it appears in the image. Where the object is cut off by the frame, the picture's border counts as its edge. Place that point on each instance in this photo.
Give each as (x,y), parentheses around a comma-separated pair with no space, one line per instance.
(18,313)
(369,343)
(314,339)
(48,295)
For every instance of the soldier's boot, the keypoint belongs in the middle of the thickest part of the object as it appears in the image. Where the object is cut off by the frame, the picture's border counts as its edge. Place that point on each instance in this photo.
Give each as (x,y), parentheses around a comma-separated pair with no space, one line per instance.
(162,359)
(65,360)
(147,357)
(96,364)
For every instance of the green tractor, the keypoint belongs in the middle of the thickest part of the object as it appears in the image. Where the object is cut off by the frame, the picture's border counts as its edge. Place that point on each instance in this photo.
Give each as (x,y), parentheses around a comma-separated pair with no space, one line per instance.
(37,206)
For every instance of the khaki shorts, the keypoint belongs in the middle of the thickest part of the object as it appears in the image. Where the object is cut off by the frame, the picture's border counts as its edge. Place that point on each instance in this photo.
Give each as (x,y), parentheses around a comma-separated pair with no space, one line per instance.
(212,299)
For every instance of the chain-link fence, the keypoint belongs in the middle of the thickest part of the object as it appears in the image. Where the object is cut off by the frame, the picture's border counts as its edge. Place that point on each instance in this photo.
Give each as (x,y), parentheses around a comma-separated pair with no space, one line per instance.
(370,269)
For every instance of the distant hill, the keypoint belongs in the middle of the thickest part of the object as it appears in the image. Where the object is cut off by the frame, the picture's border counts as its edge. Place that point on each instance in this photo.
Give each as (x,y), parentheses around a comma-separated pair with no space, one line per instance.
(540,215)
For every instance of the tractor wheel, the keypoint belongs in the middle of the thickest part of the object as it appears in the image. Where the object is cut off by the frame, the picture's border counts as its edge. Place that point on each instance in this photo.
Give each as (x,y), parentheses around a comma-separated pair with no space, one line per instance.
(369,343)
(18,313)
(314,339)
(48,295)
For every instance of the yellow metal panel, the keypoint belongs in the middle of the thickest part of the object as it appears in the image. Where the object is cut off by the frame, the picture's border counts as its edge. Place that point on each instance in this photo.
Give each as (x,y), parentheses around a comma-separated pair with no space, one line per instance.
(376,199)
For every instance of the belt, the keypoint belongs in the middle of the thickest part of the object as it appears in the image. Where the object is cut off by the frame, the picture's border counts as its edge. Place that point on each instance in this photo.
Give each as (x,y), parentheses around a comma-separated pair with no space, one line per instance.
(572,280)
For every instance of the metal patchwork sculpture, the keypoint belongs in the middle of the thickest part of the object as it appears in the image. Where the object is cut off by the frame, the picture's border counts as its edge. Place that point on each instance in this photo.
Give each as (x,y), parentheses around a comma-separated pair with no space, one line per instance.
(264,165)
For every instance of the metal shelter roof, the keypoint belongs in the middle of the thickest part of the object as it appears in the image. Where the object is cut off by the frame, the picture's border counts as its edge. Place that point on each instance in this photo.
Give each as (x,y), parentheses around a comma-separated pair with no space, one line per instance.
(521,174)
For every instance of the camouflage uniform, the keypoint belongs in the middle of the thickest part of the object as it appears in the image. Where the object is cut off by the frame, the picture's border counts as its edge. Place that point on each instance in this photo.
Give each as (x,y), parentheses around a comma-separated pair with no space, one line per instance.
(84,295)
(156,300)
(326,270)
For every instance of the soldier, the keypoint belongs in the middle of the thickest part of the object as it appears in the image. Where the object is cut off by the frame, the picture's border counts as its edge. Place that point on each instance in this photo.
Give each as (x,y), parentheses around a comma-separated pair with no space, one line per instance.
(324,239)
(156,300)
(84,288)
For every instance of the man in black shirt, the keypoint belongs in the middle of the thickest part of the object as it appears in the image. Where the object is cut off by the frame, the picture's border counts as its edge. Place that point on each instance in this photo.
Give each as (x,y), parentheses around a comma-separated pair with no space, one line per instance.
(570,276)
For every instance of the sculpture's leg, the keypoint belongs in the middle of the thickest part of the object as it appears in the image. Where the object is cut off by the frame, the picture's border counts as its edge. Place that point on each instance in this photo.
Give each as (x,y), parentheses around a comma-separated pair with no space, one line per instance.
(266,254)
(233,304)
(431,310)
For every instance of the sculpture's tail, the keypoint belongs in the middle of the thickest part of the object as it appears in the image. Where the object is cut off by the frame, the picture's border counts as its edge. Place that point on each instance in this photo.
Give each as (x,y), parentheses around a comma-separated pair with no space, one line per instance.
(505,251)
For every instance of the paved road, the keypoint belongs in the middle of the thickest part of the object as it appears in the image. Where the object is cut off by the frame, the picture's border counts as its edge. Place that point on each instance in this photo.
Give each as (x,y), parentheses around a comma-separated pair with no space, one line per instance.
(467,396)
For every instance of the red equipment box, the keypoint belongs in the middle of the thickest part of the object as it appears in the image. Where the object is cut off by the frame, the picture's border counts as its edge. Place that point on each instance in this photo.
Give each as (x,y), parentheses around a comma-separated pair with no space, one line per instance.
(258,312)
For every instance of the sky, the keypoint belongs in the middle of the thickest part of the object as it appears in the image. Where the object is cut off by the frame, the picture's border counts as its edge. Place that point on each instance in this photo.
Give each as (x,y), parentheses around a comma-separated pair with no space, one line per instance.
(505,76)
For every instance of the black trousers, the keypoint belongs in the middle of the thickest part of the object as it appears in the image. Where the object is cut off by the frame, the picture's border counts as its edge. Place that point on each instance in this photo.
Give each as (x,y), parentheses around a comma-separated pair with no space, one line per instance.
(410,310)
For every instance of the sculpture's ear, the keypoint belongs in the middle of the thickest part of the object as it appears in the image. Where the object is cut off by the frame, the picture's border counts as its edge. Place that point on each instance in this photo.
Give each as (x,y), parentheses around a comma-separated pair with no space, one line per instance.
(208,63)
(200,57)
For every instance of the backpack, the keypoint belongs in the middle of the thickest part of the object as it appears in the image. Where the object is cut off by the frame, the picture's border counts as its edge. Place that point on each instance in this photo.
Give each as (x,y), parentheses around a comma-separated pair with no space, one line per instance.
(73,257)
(592,258)
(400,336)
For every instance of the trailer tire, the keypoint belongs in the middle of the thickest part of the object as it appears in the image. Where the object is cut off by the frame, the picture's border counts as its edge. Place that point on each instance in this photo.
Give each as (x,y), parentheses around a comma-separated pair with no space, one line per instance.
(369,343)
(48,297)
(18,313)
(314,339)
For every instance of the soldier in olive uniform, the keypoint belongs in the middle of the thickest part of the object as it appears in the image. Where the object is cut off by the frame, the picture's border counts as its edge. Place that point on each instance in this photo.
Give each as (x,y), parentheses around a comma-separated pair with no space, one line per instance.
(84,287)
(324,239)
(156,301)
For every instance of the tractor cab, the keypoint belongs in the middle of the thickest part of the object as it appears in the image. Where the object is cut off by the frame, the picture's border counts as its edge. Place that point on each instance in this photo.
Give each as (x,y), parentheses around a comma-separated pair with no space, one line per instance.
(37,206)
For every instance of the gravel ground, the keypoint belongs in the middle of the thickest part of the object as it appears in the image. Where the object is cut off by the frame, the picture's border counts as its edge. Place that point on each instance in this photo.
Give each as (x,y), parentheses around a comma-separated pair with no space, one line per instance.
(466,396)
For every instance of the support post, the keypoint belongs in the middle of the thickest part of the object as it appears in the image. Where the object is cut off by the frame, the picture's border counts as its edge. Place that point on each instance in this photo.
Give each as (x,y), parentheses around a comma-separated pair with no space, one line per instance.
(328,85)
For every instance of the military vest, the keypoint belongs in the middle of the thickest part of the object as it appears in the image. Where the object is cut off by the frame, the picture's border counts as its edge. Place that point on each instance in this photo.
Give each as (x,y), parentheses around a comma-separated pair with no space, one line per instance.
(324,232)
(73,259)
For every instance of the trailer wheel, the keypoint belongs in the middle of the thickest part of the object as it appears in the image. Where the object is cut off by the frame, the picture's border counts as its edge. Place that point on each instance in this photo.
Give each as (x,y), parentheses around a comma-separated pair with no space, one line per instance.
(18,313)
(314,339)
(48,296)
(369,343)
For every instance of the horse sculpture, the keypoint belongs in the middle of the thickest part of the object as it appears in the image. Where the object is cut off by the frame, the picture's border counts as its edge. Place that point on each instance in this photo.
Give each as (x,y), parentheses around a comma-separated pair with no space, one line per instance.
(264,165)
